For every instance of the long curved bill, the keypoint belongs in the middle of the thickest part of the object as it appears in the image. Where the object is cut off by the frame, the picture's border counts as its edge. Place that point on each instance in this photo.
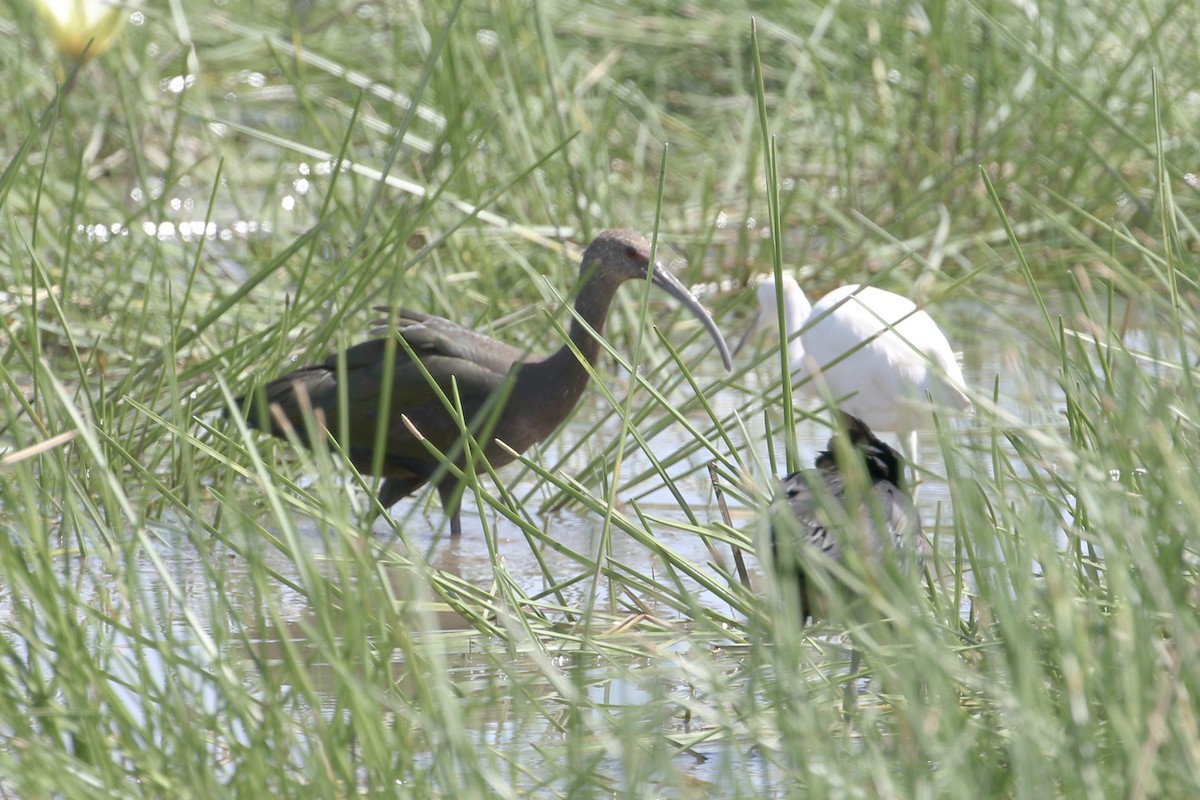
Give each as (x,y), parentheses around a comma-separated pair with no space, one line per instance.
(671,285)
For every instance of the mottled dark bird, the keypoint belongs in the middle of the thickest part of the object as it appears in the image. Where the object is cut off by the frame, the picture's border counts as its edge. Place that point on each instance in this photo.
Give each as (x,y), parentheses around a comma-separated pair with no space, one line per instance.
(505,393)
(813,525)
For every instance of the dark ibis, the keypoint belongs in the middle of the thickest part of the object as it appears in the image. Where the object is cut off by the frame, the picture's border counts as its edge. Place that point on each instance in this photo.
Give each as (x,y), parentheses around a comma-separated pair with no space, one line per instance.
(532,395)
(884,526)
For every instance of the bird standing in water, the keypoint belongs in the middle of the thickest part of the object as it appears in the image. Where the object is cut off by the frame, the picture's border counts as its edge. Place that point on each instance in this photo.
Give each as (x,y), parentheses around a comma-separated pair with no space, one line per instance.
(505,393)
(883,525)
(872,349)
(870,527)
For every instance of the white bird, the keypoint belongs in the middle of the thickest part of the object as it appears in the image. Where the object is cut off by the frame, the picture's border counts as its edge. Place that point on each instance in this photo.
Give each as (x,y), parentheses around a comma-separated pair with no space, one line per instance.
(872,350)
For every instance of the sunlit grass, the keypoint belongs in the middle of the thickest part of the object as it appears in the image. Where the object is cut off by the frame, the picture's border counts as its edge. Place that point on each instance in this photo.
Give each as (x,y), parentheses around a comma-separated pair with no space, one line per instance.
(189,609)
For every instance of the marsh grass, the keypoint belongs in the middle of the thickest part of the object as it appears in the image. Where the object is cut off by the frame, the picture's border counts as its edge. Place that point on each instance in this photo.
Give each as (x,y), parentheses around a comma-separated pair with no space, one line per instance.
(193,610)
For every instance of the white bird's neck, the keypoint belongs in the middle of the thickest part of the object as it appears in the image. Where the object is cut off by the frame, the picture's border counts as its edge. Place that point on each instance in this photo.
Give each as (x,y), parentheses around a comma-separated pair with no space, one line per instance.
(796,311)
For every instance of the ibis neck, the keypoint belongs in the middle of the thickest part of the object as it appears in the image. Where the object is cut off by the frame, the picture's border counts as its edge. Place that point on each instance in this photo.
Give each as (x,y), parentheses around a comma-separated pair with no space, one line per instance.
(556,382)
(591,306)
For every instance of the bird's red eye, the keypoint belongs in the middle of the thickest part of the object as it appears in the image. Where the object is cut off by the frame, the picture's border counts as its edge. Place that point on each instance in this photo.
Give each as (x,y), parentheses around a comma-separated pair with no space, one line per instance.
(634,254)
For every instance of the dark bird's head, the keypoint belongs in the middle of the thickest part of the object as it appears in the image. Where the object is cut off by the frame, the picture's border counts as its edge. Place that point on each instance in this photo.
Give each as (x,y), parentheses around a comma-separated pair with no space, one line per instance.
(620,255)
(882,462)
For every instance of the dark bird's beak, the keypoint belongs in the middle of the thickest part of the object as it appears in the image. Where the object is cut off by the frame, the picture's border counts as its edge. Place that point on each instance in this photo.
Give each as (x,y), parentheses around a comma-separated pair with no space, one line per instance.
(671,285)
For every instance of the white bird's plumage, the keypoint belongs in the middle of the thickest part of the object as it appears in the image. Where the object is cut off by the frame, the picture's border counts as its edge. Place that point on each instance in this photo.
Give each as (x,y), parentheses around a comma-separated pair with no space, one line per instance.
(872,350)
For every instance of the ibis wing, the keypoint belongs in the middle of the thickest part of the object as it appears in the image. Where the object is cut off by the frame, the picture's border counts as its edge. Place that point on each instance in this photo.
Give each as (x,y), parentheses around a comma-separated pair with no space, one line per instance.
(462,366)
(429,334)
(465,366)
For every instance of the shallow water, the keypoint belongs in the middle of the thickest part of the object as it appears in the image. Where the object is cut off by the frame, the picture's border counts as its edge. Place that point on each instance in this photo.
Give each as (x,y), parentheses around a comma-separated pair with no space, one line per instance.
(992,354)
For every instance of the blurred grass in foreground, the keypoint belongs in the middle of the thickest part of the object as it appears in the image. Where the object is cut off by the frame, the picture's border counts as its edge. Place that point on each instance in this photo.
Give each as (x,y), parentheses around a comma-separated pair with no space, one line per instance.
(206,203)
